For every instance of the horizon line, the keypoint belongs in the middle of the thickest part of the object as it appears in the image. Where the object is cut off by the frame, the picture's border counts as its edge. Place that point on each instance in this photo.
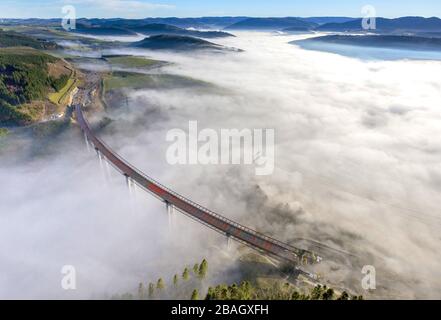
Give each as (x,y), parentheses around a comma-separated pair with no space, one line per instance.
(224,16)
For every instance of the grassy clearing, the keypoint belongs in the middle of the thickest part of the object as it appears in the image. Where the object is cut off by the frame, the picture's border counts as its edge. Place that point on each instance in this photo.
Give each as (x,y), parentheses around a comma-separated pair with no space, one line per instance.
(131,61)
(59,97)
(120,80)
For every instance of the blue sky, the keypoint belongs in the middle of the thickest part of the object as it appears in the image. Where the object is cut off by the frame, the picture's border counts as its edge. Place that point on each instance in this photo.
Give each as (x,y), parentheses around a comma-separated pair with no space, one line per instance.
(195,8)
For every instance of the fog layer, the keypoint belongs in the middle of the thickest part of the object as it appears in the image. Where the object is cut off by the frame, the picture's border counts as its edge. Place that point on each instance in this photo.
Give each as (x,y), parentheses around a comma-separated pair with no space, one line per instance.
(358,145)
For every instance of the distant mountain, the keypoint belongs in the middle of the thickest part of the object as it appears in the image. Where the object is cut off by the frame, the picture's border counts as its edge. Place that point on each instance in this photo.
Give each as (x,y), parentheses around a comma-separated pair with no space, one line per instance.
(176,43)
(220,22)
(272,24)
(380,41)
(100,30)
(130,23)
(157,28)
(180,22)
(196,23)
(340,24)
(430,34)
(296,30)
(36,22)
(324,20)
(383,25)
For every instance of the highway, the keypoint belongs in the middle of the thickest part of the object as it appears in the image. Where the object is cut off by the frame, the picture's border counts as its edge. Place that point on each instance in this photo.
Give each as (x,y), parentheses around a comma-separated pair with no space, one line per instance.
(225,226)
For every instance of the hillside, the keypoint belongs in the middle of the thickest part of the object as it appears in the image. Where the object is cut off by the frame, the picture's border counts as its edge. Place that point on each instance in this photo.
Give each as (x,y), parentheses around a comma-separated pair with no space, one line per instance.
(175,43)
(129,23)
(98,30)
(380,41)
(27,76)
(272,24)
(159,28)
(323,20)
(14,39)
(383,25)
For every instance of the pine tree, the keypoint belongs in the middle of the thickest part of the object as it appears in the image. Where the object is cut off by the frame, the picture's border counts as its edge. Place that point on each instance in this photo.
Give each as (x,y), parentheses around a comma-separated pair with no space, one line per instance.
(295,296)
(203,268)
(175,280)
(196,268)
(141,291)
(316,293)
(195,295)
(151,290)
(328,294)
(161,284)
(343,296)
(211,295)
(186,274)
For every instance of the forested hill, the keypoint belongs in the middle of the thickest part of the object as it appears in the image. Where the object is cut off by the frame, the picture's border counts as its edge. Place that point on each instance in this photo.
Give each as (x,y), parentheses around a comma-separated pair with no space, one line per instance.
(25,77)
(175,43)
(14,39)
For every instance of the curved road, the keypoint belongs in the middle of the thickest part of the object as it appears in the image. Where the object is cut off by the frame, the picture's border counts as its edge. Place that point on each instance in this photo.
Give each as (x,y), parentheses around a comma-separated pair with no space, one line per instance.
(213,220)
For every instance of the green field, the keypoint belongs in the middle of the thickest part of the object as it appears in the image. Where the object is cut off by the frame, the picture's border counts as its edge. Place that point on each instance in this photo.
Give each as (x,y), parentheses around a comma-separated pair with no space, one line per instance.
(58,97)
(120,80)
(131,61)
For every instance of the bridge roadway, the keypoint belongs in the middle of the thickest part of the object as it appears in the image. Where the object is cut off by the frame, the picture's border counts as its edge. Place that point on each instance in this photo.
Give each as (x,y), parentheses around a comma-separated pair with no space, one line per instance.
(211,219)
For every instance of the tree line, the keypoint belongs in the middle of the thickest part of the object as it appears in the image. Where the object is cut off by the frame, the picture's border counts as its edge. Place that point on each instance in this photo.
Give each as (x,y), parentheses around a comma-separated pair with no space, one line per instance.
(188,281)
(247,291)
(187,285)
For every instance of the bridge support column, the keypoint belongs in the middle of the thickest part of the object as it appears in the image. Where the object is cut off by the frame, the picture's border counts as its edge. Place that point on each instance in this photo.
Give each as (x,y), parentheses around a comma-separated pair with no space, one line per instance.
(228,241)
(108,173)
(170,210)
(128,182)
(101,158)
(87,141)
(130,185)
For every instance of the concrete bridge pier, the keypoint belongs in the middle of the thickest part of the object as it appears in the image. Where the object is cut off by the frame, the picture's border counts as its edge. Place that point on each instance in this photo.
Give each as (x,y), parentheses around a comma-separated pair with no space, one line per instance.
(170,213)
(100,157)
(103,166)
(228,243)
(108,172)
(87,142)
(131,185)
(128,183)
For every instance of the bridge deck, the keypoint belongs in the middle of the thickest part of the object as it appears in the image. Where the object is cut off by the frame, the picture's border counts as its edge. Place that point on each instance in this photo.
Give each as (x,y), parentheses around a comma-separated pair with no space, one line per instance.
(221,224)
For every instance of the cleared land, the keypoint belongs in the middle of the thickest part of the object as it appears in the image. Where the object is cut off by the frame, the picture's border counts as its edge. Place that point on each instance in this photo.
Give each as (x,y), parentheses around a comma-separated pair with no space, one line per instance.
(60,96)
(120,80)
(131,61)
